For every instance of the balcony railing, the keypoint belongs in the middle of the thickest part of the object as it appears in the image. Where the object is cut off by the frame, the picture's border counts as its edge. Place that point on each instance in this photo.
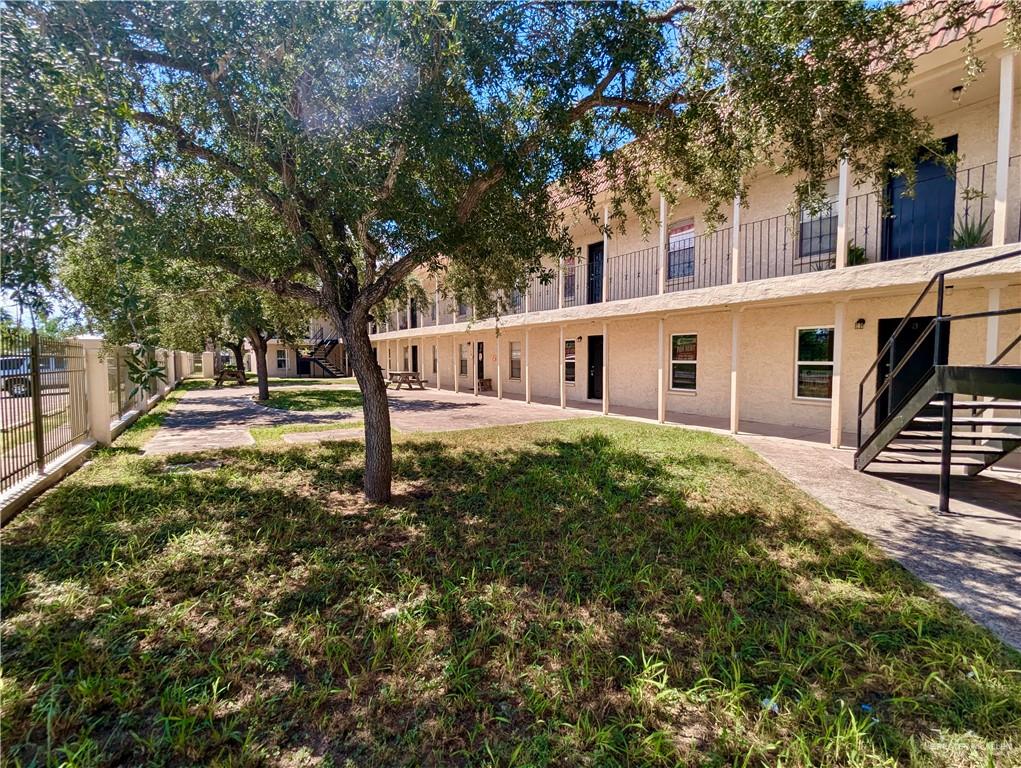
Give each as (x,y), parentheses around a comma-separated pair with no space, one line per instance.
(946,210)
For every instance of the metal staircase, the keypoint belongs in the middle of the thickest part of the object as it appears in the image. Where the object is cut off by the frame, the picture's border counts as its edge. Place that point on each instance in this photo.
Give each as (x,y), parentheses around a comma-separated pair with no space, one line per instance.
(322,346)
(953,415)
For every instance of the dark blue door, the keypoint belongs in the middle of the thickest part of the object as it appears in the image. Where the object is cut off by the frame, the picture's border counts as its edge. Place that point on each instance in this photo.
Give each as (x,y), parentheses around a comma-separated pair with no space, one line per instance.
(595,273)
(922,224)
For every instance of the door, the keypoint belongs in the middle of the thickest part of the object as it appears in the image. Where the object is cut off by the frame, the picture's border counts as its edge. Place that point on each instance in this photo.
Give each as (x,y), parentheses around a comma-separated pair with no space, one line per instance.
(595,367)
(304,365)
(480,360)
(922,224)
(915,369)
(414,317)
(414,357)
(595,273)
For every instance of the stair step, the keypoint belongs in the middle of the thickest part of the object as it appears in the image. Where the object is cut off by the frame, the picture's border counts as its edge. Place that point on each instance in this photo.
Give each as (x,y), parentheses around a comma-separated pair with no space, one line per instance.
(938,435)
(981,405)
(958,461)
(954,449)
(968,421)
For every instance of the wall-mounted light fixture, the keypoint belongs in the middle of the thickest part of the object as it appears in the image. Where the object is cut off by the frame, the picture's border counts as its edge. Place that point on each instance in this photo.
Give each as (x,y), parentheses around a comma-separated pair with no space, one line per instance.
(579,338)
(955,93)
(859,323)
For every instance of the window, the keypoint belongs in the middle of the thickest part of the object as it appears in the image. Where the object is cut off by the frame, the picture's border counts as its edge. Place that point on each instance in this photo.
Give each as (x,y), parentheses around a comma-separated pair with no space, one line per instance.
(435,363)
(281,358)
(463,361)
(569,358)
(515,359)
(814,375)
(681,250)
(817,237)
(683,361)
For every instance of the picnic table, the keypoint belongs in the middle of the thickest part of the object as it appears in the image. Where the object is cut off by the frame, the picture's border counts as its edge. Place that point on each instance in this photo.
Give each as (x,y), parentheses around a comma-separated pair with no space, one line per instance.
(408,378)
(230,370)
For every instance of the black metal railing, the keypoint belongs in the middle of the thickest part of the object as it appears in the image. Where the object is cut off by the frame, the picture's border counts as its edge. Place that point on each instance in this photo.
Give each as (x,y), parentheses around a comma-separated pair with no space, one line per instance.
(543,292)
(785,245)
(43,405)
(701,262)
(633,275)
(948,209)
(898,355)
(577,283)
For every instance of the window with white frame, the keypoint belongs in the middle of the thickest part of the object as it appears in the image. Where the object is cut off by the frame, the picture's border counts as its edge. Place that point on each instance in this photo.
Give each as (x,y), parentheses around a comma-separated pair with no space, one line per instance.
(814,366)
(681,250)
(817,235)
(569,360)
(515,359)
(281,358)
(462,350)
(683,361)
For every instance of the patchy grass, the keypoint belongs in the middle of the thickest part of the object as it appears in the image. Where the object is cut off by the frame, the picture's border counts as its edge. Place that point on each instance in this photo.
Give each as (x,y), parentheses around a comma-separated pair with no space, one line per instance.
(299,382)
(594,592)
(316,400)
(265,436)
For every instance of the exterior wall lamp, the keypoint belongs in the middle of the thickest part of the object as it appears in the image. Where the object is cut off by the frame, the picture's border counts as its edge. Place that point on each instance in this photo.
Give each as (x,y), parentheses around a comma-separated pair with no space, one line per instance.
(859,323)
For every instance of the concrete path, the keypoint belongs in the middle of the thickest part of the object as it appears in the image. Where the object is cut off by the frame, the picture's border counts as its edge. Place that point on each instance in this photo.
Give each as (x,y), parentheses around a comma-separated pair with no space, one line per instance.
(972,556)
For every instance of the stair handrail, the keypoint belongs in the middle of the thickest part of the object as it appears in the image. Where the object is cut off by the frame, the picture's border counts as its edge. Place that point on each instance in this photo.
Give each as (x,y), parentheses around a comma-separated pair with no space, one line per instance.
(939,279)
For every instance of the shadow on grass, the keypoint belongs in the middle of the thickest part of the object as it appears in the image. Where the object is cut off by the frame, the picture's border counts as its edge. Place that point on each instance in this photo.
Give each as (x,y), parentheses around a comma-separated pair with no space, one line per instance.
(623,596)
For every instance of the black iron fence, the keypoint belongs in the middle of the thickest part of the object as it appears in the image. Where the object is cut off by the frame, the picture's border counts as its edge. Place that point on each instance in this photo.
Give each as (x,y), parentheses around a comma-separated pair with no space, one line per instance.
(947,209)
(633,275)
(43,408)
(701,261)
(787,245)
(543,292)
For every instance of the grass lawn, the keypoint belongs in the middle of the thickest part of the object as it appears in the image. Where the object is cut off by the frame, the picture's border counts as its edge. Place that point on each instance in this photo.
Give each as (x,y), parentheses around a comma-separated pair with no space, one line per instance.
(318,400)
(595,592)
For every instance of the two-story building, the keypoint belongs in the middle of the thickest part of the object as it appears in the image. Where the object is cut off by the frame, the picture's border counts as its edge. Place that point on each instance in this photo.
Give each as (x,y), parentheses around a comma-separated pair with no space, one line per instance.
(771,321)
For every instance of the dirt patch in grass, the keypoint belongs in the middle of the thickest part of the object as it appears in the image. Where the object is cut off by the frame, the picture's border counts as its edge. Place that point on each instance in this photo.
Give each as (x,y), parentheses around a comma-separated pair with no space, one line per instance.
(572,593)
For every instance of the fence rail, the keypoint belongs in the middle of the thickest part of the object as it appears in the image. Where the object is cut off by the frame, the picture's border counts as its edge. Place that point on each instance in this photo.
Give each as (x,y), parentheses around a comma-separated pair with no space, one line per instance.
(43,407)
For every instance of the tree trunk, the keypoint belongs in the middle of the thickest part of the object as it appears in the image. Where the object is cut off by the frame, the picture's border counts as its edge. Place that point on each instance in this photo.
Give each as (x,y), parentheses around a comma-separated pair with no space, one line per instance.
(259,345)
(375,406)
(238,349)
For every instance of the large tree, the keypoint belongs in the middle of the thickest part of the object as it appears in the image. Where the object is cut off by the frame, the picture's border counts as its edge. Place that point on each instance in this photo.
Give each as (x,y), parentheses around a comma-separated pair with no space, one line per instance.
(382,138)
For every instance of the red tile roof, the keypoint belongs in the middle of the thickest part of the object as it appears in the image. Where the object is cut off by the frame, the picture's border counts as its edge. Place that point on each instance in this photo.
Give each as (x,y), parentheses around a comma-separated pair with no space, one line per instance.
(982,14)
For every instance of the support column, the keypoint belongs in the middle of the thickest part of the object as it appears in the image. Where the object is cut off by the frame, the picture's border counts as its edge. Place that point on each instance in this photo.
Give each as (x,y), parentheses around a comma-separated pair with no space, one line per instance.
(1003,148)
(97,389)
(663,255)
(208,364)
(439,368)
(528,373)
(606,369)
(841,258)
(993,323)
(563,384)
(473,346)
(499,370)
(606,254)
(455,361)
(560,286)
(735,354)
(661,379)
(836,409)
(735,243)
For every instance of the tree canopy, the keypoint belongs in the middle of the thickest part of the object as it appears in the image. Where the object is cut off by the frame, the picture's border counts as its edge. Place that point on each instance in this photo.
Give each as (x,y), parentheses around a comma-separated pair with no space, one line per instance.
(378,138)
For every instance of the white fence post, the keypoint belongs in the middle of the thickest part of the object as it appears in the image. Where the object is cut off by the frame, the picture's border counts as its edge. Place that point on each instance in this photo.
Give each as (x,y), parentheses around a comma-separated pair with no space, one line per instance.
(97,389)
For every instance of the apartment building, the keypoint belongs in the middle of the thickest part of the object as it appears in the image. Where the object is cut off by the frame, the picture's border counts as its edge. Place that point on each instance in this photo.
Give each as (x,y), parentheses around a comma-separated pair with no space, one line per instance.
(319,355)
(772,321)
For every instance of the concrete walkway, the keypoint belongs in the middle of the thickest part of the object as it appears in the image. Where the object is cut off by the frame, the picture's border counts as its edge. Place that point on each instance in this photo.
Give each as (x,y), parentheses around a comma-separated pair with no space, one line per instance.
(972,557)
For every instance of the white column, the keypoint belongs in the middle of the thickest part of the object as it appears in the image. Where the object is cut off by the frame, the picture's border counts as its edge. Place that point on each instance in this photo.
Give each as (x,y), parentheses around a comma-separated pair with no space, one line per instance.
(661,380)
(606,254)
(836,409)
(606,369)
(474,362)
(735,354)
(528,373)
(97,389)
(499,370)
(841,259)
(563,384)
(436,314)
(993,323)
(560,286)
(208,364)
(662,244)
(455,361)
(439,368)
(1003,148)
(735,243)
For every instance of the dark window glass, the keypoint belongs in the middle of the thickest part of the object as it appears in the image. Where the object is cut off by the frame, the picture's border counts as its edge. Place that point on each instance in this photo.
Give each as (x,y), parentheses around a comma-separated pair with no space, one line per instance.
(569,359)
